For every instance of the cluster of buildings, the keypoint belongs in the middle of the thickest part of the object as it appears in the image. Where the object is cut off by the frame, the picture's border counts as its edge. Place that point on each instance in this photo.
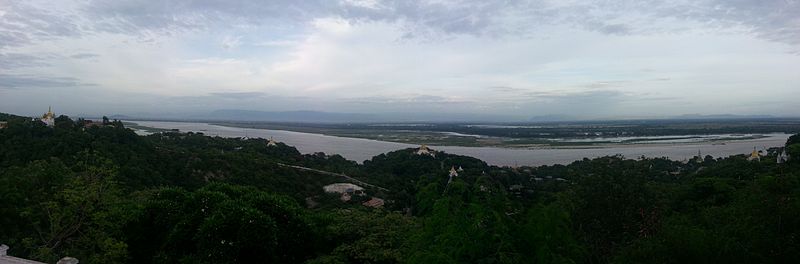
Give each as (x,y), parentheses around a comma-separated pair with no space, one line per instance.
(270,142)
(49,119)
(781,155)
(347,191)
(424,150)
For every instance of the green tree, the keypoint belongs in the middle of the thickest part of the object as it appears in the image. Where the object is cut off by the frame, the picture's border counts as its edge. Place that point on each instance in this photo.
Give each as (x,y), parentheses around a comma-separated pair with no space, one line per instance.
(546,237)
(78,214)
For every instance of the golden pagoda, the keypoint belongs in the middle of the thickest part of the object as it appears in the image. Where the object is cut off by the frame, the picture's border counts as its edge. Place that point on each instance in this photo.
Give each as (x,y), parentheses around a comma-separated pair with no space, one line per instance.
(754,155)
(49,118)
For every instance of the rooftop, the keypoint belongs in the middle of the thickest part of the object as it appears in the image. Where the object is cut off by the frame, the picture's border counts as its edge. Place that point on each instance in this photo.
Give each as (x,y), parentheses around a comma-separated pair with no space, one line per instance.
(341,188)
(6,259)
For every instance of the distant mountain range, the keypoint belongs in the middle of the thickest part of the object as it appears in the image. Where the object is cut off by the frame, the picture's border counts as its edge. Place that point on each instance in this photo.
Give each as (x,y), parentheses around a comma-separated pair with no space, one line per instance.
(287,116)
(552,118)
(722,116)
(119,117)
(335,117)
(331,117)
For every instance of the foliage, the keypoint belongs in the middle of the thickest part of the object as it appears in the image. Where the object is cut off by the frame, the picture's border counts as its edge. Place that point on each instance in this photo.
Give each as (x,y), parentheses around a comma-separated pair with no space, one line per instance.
(367,236)
(219,223)
(103,194)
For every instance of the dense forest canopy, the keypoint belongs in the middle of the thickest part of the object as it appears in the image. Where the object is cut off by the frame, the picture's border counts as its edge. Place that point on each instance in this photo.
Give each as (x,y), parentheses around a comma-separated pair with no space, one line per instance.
(103,194)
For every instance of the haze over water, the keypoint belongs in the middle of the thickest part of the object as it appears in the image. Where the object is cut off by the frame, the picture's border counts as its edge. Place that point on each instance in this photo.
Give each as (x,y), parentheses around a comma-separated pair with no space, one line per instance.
(363,149)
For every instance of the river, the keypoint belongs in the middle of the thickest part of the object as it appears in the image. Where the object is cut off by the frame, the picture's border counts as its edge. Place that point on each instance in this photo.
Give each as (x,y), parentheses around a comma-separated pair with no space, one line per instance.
(362,149)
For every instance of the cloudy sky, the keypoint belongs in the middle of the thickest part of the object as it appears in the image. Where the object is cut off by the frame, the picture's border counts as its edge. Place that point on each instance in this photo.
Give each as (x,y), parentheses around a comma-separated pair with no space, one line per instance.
(588,59)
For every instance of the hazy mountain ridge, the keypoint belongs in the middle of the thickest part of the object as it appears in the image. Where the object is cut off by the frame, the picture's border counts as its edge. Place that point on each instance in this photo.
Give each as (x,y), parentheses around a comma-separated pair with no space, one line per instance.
(308,116)
(312,116)
(721,116)
(286,116)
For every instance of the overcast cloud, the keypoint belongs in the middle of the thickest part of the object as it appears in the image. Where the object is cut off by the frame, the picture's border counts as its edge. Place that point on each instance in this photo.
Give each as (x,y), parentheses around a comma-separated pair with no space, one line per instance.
(589,59)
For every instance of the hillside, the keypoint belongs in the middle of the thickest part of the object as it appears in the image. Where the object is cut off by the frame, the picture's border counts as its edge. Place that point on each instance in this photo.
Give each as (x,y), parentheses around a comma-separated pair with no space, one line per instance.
(103,194)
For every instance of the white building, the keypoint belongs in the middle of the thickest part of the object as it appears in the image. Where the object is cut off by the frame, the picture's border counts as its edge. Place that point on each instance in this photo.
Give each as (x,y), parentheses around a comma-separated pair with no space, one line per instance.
(271,142)
(425,150)
(346,190)
(342,188)
(453,172)
(783,157)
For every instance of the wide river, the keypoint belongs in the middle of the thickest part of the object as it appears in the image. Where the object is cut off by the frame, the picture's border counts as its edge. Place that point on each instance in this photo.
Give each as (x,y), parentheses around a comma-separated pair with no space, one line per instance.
(362,149)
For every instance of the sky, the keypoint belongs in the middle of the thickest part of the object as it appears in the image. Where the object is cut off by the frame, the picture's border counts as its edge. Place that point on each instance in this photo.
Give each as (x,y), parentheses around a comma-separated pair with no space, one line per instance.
(587,59)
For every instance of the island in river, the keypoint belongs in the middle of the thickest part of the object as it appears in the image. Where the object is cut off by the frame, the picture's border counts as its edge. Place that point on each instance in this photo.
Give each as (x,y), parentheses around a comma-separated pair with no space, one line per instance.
(596,141)
(549,134)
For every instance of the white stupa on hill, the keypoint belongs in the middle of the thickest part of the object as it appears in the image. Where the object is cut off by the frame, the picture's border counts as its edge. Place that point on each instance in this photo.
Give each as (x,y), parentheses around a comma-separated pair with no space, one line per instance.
(271,142)
(783,157)
(453,172)
(425,150)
